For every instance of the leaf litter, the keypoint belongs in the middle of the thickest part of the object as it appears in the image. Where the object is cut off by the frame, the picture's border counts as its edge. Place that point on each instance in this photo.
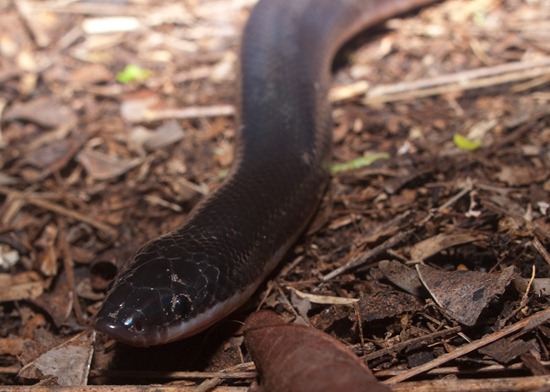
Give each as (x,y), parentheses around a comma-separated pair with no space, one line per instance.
(90,169)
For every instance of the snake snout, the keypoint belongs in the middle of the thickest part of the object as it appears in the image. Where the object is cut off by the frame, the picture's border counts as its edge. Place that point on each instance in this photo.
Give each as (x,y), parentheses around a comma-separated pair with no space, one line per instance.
(142,324)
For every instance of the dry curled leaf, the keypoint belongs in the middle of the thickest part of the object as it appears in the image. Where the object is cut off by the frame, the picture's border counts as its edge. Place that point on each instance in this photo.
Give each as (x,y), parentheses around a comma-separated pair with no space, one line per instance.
(436,244)
(284,353)
(66,365)
(464,294)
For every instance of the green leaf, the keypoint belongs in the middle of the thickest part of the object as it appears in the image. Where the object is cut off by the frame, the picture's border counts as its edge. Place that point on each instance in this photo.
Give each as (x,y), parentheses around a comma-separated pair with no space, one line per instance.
(132,73)
(358,163)
(464,143)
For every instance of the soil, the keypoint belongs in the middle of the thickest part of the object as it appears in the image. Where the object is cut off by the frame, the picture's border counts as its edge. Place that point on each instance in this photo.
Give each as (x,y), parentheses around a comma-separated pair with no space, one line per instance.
(452,104)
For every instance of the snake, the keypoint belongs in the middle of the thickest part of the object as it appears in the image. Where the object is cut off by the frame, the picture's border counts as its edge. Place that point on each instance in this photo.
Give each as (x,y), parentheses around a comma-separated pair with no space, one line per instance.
(182,282)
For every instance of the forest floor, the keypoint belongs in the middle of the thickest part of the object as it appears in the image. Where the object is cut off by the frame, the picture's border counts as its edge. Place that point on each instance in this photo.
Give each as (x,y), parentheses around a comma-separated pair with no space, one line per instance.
(452,103)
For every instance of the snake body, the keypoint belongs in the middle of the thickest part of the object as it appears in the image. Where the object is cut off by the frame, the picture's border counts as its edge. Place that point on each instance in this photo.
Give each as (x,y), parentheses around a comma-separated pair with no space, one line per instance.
(184,281)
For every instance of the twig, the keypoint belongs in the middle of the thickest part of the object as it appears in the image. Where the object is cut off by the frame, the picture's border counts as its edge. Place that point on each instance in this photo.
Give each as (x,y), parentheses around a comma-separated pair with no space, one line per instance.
(242,375)
(105,9)
(400,346)
(24,8)
(189,112)
(364,257)
(122,388)
(68,264)
(541,249)
(525,324)
(511,384)
(41,203)
(485,371)
(525,295)
(468,187)
(459,81)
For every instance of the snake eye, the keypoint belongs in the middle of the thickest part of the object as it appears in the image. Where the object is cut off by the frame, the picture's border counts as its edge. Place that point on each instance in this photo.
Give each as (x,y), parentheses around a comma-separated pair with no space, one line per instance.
(134,323)
(179,307)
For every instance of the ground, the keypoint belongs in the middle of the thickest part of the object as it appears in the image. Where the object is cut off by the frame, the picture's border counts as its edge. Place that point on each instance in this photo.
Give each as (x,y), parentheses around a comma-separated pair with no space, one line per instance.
(437,246)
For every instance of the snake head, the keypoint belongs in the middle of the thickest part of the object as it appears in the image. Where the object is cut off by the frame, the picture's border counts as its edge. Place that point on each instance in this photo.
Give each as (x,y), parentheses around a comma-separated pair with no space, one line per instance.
(166,293)
(144,315)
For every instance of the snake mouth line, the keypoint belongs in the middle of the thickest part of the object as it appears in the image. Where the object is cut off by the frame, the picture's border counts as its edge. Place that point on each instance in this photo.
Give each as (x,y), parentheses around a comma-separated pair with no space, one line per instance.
(138,336)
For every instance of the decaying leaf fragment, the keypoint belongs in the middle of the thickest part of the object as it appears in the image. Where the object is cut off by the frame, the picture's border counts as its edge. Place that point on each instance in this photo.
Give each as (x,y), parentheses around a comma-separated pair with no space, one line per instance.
(101,166)
(506,350)
(464,294)
(65,365)
(45,111)
(401,276)
(436,244)
(295,358)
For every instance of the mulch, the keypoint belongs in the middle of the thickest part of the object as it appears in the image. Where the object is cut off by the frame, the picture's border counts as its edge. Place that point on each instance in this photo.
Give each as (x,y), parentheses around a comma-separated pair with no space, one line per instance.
(429,257)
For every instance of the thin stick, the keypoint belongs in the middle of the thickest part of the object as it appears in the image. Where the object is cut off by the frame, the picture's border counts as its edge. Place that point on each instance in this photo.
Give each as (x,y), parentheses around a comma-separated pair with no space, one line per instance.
(41,203)
(400,346)
(364,257)
(510,384)
(455,82)
(526,324)
(68,264)
(466,80)
(542,250)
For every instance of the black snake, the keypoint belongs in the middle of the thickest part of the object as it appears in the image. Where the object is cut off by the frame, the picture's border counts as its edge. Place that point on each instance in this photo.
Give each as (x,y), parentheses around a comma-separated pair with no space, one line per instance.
(184,281)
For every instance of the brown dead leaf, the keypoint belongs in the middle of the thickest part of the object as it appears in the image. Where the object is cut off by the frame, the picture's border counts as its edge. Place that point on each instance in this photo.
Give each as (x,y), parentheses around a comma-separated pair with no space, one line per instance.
(52,156)
(66,365)
(297,358)
(101,166)
(90,74)
(143,139)
(58,303)
(45,111)
(165,135)
(402,276)
(464,294)
(506,350)
(517,175)
(24,286)
(405,197)
(436,244)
